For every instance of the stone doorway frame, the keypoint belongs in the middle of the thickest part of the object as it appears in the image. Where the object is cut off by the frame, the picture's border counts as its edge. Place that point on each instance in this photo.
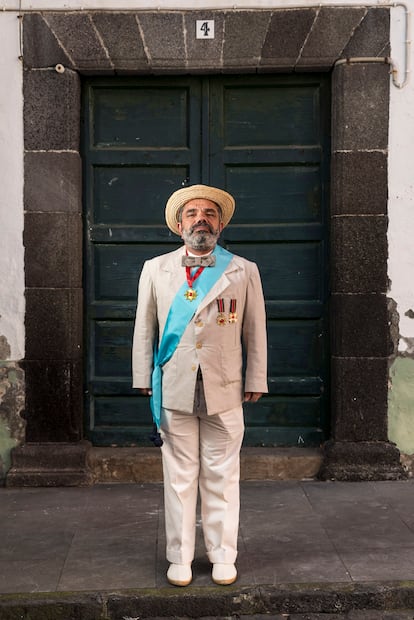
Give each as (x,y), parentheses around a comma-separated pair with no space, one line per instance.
(58,48)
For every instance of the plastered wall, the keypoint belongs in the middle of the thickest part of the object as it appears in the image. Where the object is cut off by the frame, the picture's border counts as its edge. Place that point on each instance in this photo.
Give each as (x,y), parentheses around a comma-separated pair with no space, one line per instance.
(12,302)
(400,246)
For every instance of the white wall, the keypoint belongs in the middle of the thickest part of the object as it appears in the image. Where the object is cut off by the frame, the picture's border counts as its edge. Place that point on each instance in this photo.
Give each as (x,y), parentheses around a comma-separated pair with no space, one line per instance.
(401,189)
(11,188)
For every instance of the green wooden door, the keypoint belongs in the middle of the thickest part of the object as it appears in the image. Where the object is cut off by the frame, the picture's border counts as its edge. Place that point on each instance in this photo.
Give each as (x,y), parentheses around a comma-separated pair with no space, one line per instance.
(263,138)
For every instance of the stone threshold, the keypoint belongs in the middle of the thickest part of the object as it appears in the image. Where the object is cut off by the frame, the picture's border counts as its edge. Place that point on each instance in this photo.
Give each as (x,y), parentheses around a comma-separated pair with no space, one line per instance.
(142,465)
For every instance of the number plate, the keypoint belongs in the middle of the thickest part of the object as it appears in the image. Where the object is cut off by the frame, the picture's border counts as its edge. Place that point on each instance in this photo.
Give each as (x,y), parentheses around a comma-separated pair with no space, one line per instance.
(205,28)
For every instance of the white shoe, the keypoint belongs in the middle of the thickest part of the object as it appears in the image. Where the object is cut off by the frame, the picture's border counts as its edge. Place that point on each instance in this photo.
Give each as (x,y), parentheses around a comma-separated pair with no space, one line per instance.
(224,574)
(180,574)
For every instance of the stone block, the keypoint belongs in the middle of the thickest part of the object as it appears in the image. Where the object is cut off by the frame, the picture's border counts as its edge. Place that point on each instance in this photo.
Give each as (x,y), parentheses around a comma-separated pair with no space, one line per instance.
(372,36)
(204,54)
(279,463)
(286,35)
(244,35)
(78,38)
(359,325)
(50,465)
(127,465)
(359,398)
(163,37)
(53,245)
(356,461)
(140,465)
(53,324)
(359,252)
(51,110)
(40,46)
(359,183)
(330,33)
(54,401)
(122,39)
(360,95)
(52,182)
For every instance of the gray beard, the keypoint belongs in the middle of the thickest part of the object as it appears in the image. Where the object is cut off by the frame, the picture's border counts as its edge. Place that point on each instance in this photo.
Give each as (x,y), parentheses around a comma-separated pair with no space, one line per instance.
(201,241)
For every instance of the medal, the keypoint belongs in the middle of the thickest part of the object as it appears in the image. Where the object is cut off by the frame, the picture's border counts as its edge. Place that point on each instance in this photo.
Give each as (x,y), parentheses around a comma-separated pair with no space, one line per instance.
(221,317)
(232,313)
(190,293)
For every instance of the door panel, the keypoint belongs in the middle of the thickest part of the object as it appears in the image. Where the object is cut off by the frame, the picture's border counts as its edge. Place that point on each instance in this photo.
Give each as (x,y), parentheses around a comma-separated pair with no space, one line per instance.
(269,112)
(263,138)
(293,192)
(116,200)
(159,121)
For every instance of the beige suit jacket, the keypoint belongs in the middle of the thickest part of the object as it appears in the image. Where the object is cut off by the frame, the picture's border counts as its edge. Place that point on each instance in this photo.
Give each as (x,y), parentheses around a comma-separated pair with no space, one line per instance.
(216,349)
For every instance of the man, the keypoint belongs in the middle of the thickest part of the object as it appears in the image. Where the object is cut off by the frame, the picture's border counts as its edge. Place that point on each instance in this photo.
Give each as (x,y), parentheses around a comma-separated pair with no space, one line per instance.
(197,317)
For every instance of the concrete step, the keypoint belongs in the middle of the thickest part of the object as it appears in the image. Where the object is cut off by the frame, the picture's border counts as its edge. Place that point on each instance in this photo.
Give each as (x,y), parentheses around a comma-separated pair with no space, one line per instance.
(144,464)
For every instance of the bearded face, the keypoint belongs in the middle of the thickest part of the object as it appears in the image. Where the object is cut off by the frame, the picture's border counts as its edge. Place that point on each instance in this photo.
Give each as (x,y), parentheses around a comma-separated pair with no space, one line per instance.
(200,225)
(201,236)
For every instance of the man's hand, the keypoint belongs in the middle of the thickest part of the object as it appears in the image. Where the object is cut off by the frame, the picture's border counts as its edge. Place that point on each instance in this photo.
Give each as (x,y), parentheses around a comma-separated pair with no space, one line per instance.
(252,397)
(145,391)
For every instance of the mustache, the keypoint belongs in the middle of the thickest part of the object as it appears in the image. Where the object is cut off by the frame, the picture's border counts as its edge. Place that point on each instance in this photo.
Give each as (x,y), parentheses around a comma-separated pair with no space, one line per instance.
(192,228)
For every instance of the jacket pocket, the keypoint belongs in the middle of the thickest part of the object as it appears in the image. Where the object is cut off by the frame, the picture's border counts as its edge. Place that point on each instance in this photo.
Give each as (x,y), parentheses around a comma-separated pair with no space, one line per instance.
(231,365)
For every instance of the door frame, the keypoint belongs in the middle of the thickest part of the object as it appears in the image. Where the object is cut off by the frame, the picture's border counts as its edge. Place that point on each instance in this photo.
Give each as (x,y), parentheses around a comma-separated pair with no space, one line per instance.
(245,41)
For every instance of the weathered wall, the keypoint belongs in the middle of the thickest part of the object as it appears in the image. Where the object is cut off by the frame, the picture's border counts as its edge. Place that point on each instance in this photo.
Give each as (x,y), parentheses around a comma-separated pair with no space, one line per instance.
(400,252)
(11,242)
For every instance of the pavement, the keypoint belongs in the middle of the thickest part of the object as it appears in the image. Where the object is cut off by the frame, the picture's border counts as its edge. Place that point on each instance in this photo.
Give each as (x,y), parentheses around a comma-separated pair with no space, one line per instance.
(307,549)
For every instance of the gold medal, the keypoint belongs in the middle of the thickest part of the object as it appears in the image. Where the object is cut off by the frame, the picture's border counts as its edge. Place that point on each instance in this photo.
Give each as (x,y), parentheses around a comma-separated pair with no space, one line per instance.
(190,294)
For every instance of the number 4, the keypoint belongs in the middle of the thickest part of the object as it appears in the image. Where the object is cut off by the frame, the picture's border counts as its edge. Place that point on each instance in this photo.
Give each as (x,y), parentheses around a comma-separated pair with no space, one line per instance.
(205,29)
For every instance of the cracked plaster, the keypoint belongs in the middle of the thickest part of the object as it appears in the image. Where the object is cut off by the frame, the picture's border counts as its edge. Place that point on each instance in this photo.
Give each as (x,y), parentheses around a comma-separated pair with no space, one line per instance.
(12,398)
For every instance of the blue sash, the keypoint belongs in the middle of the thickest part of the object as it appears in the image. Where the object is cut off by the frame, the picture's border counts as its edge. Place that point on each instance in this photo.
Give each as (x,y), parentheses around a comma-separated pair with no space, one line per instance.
(179,315)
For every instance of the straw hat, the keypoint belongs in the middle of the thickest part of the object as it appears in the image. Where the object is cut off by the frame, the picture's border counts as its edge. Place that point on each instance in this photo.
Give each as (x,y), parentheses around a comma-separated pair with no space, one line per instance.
(182,196)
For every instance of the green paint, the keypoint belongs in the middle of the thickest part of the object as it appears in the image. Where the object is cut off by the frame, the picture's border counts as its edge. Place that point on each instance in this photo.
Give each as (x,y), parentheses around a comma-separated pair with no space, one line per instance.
(401,404)
(6,445)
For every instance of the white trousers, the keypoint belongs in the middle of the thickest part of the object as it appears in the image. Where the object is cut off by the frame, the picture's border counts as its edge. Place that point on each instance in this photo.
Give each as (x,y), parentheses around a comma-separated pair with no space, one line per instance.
(201,452)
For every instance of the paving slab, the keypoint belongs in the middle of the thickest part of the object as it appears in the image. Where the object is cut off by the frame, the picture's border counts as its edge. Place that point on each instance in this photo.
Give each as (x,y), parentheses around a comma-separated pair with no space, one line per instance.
(305,547)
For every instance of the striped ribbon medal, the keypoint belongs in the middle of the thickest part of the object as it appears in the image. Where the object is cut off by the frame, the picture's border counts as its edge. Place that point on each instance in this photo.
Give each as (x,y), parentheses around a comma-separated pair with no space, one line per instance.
(232,313)
(221,317)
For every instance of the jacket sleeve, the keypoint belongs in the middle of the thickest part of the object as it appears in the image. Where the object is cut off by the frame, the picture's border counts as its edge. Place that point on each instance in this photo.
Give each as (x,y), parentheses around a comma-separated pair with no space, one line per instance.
(145,330)
(254,335)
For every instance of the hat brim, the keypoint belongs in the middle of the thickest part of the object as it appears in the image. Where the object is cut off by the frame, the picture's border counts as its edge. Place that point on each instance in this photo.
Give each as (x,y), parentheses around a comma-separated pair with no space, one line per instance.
(179,198)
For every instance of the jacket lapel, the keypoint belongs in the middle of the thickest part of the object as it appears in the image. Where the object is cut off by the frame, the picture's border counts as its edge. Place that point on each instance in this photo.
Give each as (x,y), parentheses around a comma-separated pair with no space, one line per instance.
(221,284)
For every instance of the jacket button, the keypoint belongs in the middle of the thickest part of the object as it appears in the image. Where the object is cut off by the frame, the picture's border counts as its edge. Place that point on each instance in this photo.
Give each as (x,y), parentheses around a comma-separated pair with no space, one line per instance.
(193,368)
(198,345)
(199,323)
